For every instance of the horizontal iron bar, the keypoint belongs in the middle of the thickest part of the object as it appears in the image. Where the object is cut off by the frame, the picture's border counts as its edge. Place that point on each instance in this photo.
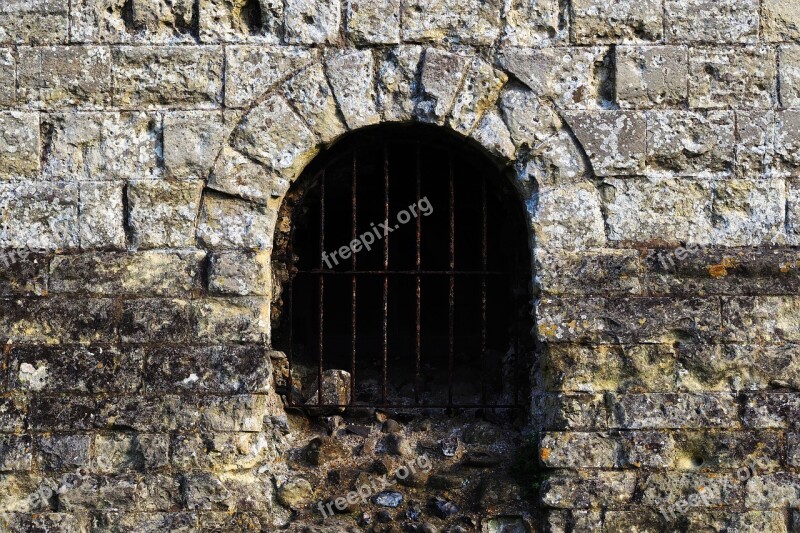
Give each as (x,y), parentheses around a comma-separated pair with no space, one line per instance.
(408,272)
(408,406)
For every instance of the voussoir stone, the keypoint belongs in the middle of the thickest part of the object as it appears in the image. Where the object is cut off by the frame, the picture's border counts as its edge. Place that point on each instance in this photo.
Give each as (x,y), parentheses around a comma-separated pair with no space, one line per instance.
(351,74)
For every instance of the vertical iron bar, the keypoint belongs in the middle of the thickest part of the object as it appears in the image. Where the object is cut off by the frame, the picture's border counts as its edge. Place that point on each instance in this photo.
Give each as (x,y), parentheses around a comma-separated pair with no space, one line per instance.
(290,312)
(418,337)
(484,255)
(385,270)
(452,301)
(321,286)
(353,283)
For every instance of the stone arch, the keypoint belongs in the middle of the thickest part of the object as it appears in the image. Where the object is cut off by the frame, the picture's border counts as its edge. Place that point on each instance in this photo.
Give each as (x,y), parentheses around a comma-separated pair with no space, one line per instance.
(284,128)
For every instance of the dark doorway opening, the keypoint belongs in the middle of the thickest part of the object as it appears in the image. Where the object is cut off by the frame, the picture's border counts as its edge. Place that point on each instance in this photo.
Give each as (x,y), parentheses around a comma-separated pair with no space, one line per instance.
(433,311)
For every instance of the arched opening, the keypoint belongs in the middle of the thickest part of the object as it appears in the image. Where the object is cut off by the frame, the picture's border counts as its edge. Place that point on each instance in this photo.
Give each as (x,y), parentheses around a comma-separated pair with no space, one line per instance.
(405,266)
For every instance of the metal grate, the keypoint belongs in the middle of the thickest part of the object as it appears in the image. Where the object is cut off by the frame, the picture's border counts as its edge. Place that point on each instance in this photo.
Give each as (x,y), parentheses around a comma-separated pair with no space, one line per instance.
(399,166)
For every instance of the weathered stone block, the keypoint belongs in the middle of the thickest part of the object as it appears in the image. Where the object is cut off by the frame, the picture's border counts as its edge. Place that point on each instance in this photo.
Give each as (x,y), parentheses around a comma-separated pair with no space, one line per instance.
(19,145)
(646,210)
(24,493)
(154,273)
(529,120)
(651,76)
(228,223)
(62,413)
(101,215)
(23,272)
(312,21)
(59,320)
(493,135)
(574,78)
(623,320)
(153,76)
(773,491)
(569,217)
(313,99)
(15,453)
(120,452)
(98,492)
(787,143)
(595,21)
(648,449)
(440,79)
(762,318)
(532,23)
(670,491)
(780,20)
(755,143)
(60,76)
(371,21)
(39,215)
(602,488)
(234,413)
(159,492)
(749,213)
(240,273)
(580,368)
(148,21)
(251,70)
(772,410)
(793,211)
(397,82)
(789,76)
(34,21)
(148,414)
(732,77)
(76,369)
(63,453)
(746,453)
(273,134)
(351,74)
(241,21)
(579,450)
(557,161)
(464,22)
(231,319)
(601,272)
(222,450)
(479,91)
(725,21)
(8,78)
(101,146)
(149,522)
(192,140)
(613,140)
(712,520)
(734,367)
(237,174)
(576,412)
(681,143)
(154,320)
(210,369)
(13,414)
(673,411)
(162,214)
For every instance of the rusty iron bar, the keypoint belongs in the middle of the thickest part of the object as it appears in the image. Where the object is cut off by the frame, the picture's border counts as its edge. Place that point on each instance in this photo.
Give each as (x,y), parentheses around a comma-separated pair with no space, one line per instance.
(290,312)
(404,272)
(353,281)
(385,277)
(484,265)
(452,279)
(418,317)
(321,286)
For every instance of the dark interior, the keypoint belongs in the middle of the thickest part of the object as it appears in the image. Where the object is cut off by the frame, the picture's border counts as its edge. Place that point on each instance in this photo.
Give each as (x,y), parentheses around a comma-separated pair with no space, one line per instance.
(430,157)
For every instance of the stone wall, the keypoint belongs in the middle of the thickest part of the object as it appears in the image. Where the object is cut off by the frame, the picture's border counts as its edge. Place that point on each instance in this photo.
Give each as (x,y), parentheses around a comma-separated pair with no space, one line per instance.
(146,147)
